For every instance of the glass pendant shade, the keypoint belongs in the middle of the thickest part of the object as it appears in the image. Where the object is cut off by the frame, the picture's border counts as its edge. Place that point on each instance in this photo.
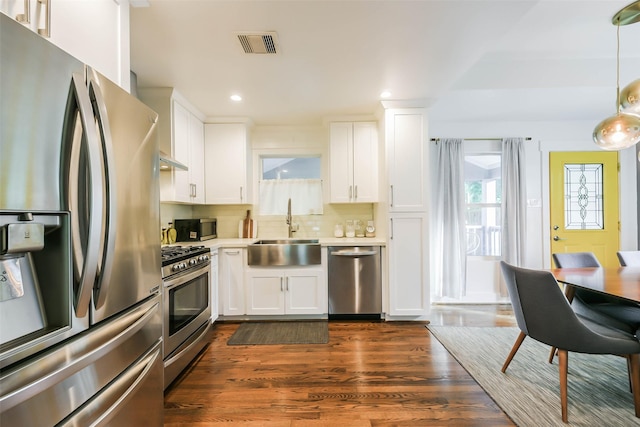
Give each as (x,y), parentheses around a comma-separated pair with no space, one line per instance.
(617,132)
(630,98)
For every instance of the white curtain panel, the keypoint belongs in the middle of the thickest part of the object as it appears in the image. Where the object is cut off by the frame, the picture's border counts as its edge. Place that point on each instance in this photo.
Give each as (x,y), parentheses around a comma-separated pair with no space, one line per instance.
(514,201)
(450,258)
(305,195)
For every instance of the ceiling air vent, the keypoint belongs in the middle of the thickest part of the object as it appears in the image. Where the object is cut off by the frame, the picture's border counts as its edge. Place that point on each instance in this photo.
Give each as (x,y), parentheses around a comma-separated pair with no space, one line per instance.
(259,42)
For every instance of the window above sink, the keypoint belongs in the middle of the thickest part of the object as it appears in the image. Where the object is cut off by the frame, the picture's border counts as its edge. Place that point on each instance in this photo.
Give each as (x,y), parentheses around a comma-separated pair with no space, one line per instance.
(298,178)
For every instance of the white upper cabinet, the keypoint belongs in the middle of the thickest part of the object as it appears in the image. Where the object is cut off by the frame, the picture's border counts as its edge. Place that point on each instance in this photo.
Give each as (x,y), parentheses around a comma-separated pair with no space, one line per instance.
(353,160)
(96,32)
(181,135)
(406,139)
(227,156)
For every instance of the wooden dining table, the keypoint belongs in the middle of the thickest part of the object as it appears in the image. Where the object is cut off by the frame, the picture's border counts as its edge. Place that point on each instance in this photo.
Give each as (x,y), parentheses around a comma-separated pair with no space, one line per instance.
(620,282)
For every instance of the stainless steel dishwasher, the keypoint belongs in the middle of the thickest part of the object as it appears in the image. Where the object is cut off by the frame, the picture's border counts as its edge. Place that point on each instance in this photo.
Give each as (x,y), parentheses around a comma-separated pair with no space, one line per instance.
(355,285)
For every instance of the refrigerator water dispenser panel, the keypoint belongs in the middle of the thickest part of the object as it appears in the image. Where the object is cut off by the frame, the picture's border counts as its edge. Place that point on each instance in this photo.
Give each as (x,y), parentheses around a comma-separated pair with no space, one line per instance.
(22,237)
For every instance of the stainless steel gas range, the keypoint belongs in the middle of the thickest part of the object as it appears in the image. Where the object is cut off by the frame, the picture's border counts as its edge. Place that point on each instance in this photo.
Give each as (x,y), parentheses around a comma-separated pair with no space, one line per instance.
(186,277)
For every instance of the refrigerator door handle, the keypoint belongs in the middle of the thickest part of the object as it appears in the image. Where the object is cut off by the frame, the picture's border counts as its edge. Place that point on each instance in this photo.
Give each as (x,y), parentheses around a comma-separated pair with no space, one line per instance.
(85,258)
(108,213)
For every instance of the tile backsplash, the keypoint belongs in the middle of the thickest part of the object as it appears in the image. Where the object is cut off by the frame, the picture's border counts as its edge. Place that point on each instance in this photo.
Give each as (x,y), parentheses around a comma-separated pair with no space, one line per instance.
(269,227)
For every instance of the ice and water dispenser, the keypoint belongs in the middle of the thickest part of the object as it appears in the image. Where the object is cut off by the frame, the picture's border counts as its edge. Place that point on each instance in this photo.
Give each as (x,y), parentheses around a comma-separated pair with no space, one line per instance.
(36,295)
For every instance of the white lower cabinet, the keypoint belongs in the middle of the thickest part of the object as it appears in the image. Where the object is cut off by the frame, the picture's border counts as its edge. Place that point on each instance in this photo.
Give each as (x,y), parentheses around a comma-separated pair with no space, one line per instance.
(272,291)
(408,265)
(231,262)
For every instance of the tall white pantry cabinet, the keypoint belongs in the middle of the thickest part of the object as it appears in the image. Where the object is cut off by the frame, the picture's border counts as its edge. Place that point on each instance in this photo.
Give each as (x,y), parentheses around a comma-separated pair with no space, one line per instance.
(408,236)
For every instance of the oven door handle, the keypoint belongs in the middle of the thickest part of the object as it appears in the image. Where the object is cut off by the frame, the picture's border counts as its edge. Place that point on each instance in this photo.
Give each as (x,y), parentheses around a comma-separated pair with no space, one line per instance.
(187,276)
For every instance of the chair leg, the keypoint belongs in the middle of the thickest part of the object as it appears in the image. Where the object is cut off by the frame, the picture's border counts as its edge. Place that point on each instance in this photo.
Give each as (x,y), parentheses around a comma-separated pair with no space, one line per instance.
(563,356)
(634,373)
(552,354)
(514,350)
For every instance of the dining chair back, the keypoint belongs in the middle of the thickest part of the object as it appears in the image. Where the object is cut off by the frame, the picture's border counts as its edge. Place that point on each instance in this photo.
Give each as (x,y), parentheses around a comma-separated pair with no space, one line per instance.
(543,313)
(575,260)
(629,258)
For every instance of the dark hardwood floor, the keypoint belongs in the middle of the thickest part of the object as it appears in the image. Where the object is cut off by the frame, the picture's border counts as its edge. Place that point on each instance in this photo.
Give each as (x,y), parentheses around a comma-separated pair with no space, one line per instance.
(369,374)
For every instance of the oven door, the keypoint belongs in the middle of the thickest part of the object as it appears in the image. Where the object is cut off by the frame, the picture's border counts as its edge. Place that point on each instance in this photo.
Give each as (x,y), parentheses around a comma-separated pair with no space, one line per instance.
(187,306)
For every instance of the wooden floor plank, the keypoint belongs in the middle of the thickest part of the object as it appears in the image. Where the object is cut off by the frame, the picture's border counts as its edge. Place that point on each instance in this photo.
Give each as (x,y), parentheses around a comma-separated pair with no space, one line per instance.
(369,374)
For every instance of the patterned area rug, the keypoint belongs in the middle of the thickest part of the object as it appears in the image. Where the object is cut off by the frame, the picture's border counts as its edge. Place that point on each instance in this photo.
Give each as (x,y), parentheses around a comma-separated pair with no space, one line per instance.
(529,392)
(285,332)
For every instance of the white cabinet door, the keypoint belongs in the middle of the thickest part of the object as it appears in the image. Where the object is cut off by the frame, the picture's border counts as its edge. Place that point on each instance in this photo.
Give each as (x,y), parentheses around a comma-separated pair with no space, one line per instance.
(231,264)
(341,161)
(265,291)
(196,160)
(27,12)
(365,162)
(228,166)
(95,32)
(353,165)
(180,150)
(305,291)
(408,265)
(406,139)
(286,291)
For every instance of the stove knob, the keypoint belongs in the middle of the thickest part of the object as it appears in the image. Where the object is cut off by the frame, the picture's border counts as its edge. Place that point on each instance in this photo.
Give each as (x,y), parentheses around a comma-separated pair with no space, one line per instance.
(175,267)
(183,265)
(205,257)
(193,261)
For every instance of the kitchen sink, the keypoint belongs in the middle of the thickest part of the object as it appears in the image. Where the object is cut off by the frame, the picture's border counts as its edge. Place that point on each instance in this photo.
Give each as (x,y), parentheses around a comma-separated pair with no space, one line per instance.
(284,252)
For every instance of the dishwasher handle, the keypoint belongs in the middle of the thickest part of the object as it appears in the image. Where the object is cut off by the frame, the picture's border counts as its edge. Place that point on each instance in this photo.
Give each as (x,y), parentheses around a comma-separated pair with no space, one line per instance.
(353,254)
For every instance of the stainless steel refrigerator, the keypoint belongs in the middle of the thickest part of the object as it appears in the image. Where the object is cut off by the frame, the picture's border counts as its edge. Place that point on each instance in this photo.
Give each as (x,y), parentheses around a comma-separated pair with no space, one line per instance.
(80,284)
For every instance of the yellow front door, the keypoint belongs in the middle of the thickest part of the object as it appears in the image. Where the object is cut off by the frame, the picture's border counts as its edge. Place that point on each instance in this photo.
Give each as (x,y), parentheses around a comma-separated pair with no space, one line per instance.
(584,203)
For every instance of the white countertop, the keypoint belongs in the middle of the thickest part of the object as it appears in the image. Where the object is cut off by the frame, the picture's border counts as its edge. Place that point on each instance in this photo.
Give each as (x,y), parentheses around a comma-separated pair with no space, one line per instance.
(324,241)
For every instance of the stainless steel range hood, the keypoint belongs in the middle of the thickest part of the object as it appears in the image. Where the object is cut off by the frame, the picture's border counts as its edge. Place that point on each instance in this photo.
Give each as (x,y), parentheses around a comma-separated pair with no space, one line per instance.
(168,163)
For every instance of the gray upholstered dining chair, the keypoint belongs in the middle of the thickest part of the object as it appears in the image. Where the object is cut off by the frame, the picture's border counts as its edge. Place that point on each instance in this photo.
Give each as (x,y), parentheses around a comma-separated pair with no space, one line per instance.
(543,313)
(629,258)
(601,308)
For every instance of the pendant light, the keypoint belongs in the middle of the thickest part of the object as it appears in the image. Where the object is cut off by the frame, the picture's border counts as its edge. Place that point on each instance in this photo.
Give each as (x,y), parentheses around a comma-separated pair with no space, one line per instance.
(630,98)
(622,130)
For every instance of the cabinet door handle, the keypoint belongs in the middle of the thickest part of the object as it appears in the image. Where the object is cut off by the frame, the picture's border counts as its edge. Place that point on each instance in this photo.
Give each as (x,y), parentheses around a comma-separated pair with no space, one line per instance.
(46,31)
(391,202)
(287,279)
(25,17)
(391,234)
(355,193)
(350,192)
(240,193)
(233,252)
(281,284)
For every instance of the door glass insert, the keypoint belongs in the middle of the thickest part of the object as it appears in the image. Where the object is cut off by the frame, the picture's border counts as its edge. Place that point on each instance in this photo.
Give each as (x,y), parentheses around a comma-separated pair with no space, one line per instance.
(583,201)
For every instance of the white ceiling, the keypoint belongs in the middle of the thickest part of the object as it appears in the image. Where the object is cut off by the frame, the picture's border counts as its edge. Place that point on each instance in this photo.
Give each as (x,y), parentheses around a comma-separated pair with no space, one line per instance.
(467,60)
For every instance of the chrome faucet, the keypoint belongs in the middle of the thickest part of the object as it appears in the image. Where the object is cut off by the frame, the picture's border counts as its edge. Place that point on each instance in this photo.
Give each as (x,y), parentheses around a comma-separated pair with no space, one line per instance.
(289,219)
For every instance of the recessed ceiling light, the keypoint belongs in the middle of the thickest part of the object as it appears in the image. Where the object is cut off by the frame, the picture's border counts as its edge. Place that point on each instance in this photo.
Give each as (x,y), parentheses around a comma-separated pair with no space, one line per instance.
(385,94)
(236,98)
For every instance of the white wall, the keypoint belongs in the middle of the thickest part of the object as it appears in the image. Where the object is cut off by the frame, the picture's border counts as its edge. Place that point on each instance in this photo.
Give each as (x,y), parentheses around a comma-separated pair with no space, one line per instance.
(545,137)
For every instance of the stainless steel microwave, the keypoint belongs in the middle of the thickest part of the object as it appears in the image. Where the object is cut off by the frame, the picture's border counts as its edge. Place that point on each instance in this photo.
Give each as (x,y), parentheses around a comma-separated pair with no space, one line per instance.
(195,230)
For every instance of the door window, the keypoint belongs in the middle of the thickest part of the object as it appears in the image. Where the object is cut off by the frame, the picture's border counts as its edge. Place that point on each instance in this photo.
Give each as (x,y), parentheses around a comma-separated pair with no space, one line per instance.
(583,207)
